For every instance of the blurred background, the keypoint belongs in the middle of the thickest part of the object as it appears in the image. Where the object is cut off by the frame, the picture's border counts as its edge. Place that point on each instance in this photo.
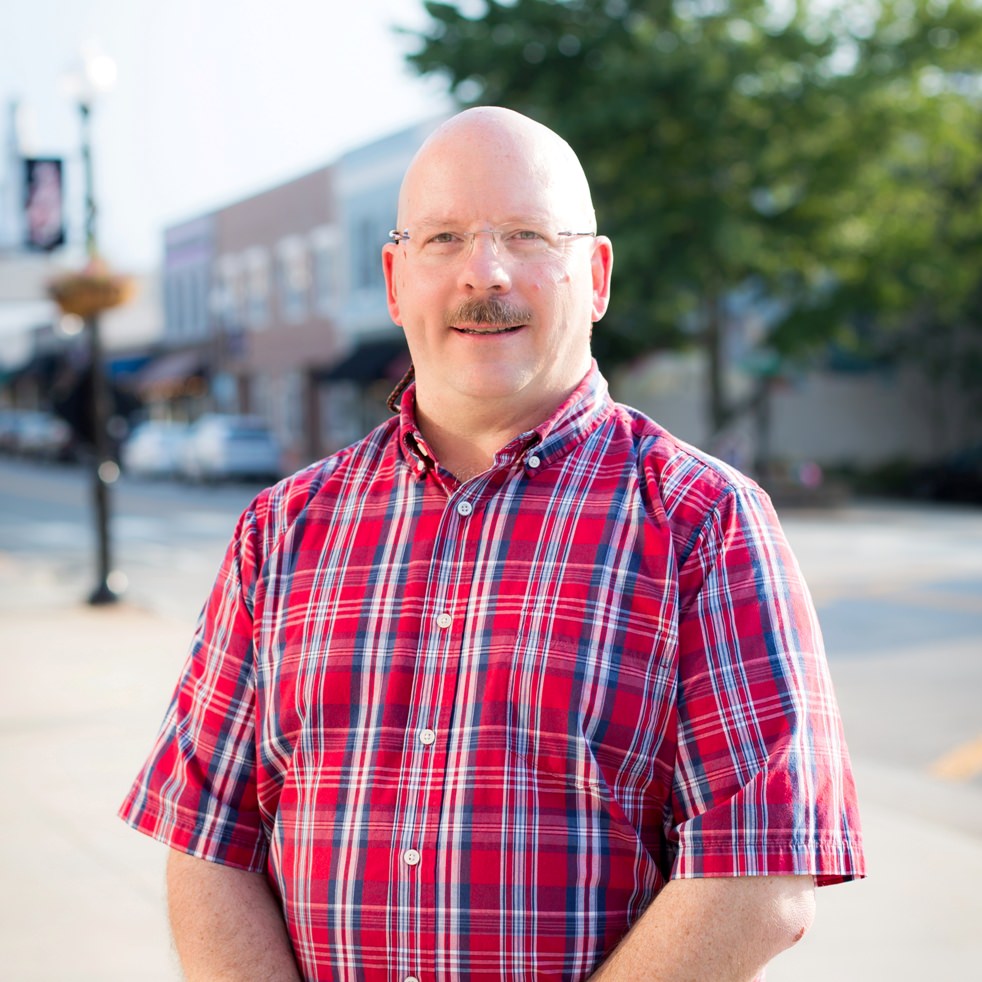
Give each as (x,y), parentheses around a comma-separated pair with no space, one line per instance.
(793,190)
(193,197)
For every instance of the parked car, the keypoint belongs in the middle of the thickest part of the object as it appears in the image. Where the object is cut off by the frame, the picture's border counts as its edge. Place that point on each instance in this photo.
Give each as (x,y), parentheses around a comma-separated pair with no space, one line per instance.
(220,447)
(37,433)
(154,448)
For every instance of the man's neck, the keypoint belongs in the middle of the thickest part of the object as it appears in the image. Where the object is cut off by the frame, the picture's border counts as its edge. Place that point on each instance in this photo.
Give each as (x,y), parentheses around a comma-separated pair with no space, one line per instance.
(462,448)
(465,438)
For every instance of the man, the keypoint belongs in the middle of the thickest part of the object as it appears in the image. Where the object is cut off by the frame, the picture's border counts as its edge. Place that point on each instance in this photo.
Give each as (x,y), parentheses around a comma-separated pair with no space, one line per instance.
(517,687)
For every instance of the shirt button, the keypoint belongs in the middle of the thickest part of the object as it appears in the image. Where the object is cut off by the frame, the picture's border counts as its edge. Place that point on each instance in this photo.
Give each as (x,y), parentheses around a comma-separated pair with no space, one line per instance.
(421,465)
(464,508)
(427,737)
(533,461)
(411,857)
(410,978)
(444,620)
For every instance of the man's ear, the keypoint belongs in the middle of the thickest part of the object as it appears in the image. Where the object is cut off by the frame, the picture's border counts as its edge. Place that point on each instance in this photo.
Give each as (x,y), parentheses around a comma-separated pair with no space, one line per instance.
(389,260)
(602,265)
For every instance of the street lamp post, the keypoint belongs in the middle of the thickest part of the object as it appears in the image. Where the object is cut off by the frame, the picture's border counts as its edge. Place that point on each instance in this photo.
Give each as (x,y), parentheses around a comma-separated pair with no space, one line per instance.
(87,294)
(104,469)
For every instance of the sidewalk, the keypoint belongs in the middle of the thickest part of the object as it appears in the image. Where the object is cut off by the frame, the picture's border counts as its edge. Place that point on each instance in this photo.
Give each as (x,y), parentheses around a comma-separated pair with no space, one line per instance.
(84,689)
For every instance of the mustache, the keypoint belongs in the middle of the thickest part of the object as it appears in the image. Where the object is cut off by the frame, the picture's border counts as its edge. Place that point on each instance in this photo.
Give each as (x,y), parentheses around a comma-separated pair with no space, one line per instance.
(496,312)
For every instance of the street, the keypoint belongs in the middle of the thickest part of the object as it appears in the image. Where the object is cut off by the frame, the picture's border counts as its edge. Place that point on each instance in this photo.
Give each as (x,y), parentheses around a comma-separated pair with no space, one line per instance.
(899,594)
(168,538)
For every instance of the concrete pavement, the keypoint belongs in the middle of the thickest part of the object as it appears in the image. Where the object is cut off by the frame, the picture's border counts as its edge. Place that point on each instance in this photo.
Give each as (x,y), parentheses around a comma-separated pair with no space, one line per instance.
(84,689)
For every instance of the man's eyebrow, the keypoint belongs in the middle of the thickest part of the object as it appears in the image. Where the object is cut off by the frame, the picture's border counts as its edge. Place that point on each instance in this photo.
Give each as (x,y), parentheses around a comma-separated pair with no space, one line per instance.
(523,219)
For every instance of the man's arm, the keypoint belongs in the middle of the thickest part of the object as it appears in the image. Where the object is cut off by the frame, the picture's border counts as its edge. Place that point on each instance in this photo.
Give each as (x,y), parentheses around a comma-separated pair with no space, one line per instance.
(226,923)
(724,929)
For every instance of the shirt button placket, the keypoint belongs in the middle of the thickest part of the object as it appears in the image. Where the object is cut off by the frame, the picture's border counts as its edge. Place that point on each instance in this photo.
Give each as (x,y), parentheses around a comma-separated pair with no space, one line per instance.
(426,735)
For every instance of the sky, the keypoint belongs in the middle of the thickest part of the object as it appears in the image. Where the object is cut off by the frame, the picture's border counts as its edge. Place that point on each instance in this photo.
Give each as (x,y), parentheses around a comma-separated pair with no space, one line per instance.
(213,100)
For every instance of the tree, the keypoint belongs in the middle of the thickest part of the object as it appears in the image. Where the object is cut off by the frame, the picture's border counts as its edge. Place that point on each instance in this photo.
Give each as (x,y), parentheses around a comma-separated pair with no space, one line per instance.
(739,147)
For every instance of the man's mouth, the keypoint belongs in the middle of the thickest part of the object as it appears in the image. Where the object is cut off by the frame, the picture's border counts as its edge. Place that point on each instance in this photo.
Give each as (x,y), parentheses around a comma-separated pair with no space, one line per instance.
(489,329)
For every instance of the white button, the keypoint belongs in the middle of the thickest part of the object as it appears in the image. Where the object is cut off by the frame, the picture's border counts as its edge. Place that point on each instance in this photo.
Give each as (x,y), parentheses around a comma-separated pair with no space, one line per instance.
(421,465)
(427,737)
(410,978)
(410,857)
(464,508)
(533,461)
(444,620)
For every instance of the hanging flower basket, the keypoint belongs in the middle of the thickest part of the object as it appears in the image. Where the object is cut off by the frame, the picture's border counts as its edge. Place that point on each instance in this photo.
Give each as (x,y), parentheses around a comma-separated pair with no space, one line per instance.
(91,290)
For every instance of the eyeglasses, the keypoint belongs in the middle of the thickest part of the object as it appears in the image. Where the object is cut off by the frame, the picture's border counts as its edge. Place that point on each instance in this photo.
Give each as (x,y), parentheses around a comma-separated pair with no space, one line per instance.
(519,242)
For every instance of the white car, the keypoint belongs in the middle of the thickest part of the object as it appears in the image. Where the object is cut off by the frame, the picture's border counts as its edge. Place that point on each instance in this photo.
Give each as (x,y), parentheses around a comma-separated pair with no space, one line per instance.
(41,435)
(219,447)
(154,448)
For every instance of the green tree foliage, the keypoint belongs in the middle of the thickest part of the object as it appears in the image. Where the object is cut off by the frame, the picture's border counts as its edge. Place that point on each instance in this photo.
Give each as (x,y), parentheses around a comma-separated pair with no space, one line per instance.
(824,156)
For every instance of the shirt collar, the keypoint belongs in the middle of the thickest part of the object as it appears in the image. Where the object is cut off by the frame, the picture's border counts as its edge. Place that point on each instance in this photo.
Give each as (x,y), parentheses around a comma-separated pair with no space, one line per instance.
(587,406)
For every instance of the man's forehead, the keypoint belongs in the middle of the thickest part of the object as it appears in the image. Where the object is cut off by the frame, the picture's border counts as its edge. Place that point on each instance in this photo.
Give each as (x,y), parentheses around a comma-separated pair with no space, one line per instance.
(457,192)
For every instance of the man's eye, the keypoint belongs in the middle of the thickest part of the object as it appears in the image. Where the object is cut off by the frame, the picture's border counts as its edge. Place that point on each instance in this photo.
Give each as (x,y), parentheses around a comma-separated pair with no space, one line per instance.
(443,238)
(524,237)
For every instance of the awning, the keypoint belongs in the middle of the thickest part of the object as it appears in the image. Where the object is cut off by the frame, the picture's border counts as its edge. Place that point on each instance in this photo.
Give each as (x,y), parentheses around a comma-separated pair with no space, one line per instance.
(124,366)
(170,373)
(381,359)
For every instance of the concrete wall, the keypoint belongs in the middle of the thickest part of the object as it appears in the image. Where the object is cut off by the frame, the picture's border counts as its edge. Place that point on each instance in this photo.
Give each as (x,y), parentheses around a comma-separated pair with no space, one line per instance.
(864,418)
(873,417)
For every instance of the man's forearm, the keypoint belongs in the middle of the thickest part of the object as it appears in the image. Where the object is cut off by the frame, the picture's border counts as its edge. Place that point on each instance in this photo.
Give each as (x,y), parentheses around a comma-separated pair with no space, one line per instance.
(726,930)
(226,924)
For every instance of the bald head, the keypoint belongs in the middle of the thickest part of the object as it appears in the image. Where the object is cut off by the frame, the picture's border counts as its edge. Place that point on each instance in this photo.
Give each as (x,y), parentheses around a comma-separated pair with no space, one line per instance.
(484,151)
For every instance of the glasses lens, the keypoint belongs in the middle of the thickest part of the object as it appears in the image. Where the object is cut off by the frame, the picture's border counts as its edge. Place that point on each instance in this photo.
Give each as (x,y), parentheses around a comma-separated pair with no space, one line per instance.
(512,243)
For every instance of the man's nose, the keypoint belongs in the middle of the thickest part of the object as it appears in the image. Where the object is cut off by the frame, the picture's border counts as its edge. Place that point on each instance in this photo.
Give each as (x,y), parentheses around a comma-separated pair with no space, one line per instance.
(484,265)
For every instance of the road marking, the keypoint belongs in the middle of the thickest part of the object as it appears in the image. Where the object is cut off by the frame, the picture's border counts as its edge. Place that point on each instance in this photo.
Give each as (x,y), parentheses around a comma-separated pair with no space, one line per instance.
(960,764)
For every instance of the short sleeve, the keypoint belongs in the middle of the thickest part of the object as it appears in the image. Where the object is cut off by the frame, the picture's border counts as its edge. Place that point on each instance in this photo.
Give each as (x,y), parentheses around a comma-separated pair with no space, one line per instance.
(197,790)
(763,783)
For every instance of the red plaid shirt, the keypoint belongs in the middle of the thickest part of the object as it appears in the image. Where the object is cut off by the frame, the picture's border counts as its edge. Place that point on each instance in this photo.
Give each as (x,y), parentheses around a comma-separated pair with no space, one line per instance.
(470,730)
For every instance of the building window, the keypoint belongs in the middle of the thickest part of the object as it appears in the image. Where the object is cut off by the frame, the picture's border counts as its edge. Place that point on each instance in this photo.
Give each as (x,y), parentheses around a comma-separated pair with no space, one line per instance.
(183,305)
(260,396)
(199,287)
(230,292)
(325,246)
(293,278)
(257,290)
(291,413)
(170,307)
(340,414)
(368,275)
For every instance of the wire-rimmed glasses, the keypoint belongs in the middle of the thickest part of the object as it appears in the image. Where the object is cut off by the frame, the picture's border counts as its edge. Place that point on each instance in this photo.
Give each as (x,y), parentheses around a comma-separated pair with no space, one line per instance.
(519,242)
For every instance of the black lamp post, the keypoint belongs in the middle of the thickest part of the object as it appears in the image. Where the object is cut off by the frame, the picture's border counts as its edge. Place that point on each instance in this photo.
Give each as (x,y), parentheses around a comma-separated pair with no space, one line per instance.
(87,294)
(105,470)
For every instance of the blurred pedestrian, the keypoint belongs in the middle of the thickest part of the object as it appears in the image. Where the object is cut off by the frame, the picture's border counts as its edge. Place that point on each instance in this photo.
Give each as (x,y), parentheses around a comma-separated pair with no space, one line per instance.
(519,686)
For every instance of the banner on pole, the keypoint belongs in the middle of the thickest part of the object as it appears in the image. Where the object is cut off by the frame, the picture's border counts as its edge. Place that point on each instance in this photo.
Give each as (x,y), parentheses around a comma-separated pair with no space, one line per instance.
(44,216)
